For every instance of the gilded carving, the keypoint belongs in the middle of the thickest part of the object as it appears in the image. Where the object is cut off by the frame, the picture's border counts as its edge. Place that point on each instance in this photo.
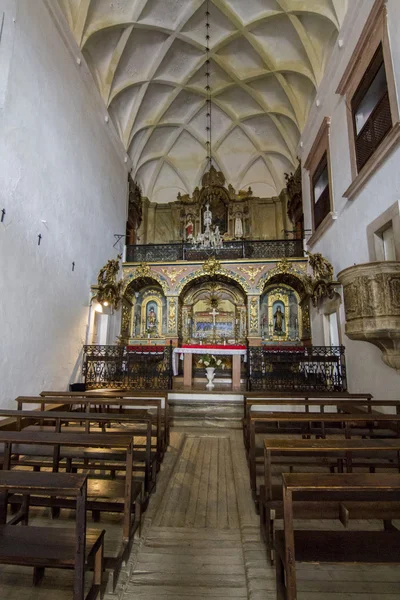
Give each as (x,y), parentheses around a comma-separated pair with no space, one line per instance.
(109,289)
(172,316)
(126,320)
(212,266)
(143,270)
(172,273)
(251,272)
(254,315)
(322,268)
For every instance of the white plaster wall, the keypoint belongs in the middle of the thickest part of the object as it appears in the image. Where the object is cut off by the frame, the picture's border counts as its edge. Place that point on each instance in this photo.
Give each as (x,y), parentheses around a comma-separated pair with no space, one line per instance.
(59,163)
(345,242)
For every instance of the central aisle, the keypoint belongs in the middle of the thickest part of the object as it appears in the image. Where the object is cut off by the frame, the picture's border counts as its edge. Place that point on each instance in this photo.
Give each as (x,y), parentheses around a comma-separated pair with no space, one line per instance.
(194,539)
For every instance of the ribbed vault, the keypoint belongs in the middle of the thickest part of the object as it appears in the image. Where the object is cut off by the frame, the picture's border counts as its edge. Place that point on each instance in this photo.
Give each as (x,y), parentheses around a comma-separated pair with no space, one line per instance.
(147,58)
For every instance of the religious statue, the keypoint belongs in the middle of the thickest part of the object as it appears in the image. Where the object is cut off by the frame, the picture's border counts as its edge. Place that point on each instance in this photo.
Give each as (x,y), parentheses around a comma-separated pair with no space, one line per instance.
(151,319)
(278,320)
(189,230)
(238,225)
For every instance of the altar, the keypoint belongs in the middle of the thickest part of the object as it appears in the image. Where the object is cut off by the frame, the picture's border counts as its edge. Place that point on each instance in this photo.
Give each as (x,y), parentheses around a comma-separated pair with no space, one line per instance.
(186,354)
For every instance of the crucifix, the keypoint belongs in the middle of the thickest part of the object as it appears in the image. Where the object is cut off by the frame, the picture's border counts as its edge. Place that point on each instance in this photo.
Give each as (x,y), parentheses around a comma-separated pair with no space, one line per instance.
(214,314)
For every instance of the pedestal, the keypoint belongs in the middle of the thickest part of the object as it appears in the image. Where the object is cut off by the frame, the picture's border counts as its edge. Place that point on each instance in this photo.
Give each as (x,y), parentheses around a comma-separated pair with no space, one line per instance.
(187,370)
(236,368)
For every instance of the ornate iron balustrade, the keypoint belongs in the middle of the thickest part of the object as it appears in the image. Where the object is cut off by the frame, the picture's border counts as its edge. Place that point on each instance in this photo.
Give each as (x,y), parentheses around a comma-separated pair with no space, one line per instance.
(117,367)
(303,369)
(230,251)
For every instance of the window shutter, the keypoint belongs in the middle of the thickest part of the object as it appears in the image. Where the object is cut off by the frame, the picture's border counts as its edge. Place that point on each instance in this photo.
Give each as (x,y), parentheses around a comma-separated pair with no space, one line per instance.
(373,132)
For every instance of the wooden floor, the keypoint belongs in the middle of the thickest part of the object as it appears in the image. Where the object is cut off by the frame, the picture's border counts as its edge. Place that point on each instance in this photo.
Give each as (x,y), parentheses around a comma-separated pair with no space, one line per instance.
(200,539)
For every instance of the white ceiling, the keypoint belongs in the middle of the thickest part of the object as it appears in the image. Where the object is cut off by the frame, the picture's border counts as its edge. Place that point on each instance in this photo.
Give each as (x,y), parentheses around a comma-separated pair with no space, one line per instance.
(148,60)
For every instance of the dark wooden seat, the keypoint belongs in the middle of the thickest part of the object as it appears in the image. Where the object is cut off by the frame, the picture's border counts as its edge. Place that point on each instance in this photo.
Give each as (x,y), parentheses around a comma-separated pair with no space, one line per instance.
(371,547)
(376,547)
(41,547)
(319,425)
(323,455)
(158,398)
(101,441)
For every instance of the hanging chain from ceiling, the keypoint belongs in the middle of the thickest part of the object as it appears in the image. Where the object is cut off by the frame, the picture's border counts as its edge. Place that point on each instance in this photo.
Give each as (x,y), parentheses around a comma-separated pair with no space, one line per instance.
(208,87)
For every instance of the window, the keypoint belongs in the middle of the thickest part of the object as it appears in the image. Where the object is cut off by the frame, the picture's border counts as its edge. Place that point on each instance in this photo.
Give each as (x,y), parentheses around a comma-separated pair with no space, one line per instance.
(372,119)
(383,235)
(368,85)
(321,193)
(318,166)
(331,327)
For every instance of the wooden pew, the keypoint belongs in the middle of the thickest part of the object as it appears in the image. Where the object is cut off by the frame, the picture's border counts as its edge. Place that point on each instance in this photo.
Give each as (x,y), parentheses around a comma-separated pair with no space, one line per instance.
(349,403)
(111,496)
(320,425)
(92,405)
(125,394)
(315,547)
(145,459)
(41,547)
(324,455)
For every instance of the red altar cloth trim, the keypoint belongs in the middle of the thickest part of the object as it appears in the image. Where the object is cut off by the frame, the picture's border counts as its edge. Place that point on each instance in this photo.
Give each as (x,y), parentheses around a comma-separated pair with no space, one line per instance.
(146,349)
(214,347)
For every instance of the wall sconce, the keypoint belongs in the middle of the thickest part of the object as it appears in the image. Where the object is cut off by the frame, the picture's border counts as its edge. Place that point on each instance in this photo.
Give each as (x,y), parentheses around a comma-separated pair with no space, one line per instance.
(98,307)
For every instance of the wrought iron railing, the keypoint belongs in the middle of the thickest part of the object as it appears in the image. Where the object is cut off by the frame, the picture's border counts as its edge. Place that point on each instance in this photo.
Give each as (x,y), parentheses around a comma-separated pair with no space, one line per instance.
(119,367)
(230,251)
(314,368)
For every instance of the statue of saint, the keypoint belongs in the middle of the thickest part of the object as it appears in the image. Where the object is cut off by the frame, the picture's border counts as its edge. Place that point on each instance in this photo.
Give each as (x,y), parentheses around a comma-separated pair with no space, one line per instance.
(238,225)
(278,319)
(151,319)
(189,230)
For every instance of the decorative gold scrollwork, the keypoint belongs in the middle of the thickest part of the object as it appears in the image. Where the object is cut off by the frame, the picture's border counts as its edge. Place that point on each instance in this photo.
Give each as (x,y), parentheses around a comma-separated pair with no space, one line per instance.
(109,289)
(212,266)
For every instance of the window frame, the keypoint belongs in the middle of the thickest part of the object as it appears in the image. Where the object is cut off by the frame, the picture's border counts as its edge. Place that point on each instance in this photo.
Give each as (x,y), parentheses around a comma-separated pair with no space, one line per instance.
(389,218)
(319,150)
(374,35)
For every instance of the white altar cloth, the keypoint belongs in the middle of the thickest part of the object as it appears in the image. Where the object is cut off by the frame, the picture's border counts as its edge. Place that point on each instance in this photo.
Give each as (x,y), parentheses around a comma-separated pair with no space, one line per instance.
(179,352)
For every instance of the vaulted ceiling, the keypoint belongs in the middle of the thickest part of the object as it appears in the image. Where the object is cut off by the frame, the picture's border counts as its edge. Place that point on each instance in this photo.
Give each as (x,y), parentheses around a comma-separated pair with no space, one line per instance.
(148,60)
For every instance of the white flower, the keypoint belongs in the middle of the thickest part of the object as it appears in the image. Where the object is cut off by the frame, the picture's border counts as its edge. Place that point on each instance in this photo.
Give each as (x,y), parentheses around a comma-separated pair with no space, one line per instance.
(219,362)
(206,363)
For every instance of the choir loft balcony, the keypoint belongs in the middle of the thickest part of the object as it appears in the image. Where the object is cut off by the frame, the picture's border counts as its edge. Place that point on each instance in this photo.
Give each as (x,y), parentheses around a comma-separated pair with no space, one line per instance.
(245,249)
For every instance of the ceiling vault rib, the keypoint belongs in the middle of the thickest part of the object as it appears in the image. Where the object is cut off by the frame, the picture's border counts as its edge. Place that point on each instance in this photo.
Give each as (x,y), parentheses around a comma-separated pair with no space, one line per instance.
(147,58)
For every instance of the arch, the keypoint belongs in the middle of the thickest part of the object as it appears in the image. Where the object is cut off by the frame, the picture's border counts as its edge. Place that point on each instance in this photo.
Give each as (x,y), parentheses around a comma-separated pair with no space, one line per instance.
(139,278)
(291,276)
(220,275)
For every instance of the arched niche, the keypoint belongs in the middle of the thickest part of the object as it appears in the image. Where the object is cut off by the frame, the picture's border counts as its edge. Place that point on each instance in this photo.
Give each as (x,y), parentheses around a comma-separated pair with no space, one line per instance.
(289,292)
(149,309)
(213,310)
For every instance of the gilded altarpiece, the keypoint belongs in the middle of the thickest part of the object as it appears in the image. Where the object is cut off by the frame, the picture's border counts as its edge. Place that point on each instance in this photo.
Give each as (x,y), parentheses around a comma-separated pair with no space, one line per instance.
(281,314)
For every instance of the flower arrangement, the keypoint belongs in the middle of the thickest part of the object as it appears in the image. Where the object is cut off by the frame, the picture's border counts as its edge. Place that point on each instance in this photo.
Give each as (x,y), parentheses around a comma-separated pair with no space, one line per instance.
(209,360)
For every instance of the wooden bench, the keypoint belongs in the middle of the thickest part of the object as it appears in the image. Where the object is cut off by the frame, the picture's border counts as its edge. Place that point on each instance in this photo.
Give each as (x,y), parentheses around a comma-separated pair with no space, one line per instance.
(126,493)
(41,547)
(324,455)
(103,405)
(315,547)
(321,425)
(160,395)
(346,403)
(136,424)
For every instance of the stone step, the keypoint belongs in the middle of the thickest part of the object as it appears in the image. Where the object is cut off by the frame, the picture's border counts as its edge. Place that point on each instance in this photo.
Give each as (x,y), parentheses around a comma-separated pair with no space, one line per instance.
(219,414)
